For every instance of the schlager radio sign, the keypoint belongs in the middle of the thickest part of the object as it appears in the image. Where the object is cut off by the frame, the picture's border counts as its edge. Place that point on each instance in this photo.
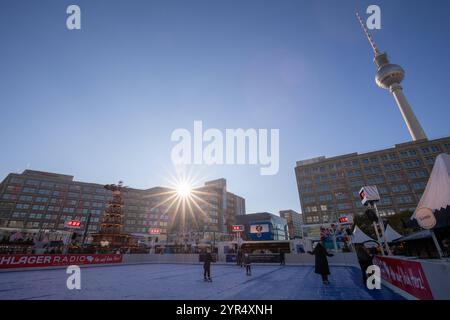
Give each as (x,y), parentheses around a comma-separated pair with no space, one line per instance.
(53,260)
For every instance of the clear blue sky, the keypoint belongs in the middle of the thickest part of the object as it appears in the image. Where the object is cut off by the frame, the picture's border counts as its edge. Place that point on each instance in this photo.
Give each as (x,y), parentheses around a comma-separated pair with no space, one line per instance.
(101,103)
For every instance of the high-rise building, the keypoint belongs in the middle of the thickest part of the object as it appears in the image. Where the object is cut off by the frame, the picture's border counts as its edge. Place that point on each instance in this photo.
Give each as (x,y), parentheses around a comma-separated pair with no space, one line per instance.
(329,187)
(294,222)
(38,200)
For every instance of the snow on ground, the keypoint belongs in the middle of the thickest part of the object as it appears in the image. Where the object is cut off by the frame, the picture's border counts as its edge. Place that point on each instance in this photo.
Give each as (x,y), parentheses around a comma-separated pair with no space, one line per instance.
(185,282)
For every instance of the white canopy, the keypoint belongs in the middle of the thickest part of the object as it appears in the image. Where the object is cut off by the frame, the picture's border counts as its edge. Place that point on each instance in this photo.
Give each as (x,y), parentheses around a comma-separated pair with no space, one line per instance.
(359,236)
(437,191)
(391,234)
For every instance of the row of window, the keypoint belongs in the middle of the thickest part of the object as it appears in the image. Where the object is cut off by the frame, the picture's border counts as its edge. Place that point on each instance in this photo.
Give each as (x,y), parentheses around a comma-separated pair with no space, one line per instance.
(28,198)
(141,230)
(375,159)
(380,179)
(417,186)
(57,186)
(417,174)
(385,201)
(42,225)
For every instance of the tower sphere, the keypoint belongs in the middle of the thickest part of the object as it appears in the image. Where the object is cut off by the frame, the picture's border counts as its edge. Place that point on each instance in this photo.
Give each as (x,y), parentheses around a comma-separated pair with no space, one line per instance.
(389,74)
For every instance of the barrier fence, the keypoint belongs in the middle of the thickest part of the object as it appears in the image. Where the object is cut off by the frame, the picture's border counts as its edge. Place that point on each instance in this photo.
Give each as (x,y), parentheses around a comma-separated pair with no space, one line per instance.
(413,279)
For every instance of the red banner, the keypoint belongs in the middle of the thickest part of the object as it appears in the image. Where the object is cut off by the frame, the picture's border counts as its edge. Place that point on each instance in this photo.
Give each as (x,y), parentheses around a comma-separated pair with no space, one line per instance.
(51,260)
(406,275)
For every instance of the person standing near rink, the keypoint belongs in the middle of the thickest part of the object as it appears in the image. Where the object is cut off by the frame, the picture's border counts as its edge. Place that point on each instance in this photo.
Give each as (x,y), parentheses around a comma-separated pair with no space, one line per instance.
(247,264)
(282,258)
(207,266)
(239,257)
(321,262)
(365,260)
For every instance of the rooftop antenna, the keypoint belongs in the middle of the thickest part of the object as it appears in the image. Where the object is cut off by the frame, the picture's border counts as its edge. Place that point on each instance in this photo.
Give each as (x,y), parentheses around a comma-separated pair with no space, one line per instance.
(368,35)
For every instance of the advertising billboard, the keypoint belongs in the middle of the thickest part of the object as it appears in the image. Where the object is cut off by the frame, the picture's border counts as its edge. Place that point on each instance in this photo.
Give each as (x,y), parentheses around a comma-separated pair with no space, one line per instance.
(260,231)
(55,260)
(406,275)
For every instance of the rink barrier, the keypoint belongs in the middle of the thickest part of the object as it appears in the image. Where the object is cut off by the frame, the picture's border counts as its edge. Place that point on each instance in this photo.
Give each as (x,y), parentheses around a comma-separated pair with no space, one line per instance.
(161,258)
(416,279)
(28,261)
(338,259)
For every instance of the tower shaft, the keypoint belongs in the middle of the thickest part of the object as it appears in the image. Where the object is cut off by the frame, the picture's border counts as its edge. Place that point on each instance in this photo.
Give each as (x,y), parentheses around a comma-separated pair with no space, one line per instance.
(415,129)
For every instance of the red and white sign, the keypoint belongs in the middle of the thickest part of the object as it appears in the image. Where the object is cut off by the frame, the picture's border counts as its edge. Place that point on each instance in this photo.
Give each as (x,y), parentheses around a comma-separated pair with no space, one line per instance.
(343,220)
(406,275)
(73,224)
(154,231)
(237,228)
(53,260)
(369,193)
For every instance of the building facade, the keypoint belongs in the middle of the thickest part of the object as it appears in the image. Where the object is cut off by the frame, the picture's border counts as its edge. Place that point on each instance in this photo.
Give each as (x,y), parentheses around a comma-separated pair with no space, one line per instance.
(329,187)
(263,226)
(294,222)
(37,200)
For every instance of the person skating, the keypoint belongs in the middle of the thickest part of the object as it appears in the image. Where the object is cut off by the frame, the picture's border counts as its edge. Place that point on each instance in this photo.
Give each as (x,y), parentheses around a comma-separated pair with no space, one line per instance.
(239,258)
(282,258)
(247,264)
(321,262)
(207,266)
(365,260)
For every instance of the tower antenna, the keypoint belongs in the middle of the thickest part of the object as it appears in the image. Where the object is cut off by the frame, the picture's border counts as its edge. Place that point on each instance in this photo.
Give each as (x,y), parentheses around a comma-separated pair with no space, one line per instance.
(368,35)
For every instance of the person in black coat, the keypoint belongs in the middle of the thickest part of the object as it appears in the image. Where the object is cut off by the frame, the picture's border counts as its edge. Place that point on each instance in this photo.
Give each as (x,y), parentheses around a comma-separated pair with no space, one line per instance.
(239,259)
(248,264)
(321,262)
(207,266)
(365,260)
(282,258)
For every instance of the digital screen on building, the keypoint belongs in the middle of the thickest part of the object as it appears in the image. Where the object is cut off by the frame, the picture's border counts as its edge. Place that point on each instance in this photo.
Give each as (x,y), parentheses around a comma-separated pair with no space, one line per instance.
(260,231)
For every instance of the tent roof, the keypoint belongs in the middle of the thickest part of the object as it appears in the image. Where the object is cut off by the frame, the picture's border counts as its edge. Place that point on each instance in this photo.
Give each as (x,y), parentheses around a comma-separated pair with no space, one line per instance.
(437,191)
(391,234)
(415,236)
(359,236)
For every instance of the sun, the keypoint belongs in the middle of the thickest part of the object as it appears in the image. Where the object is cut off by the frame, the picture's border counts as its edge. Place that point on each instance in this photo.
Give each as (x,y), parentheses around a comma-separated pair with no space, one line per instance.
(184,189)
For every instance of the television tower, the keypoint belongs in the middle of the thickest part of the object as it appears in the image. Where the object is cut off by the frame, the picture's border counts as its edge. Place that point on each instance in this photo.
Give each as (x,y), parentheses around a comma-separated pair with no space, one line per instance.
(389,77)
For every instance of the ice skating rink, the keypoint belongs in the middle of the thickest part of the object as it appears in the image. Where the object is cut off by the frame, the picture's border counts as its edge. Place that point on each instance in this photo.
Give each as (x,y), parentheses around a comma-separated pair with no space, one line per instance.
(185,281)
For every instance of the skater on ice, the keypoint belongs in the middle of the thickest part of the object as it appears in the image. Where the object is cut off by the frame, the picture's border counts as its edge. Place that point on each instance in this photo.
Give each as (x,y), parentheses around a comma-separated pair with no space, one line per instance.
(282,258)
(321,263)
(248,264)
(207,266)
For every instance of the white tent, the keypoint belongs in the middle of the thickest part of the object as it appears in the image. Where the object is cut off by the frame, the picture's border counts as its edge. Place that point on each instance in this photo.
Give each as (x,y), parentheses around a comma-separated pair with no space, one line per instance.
(391,234)
(437,191)
(359,236)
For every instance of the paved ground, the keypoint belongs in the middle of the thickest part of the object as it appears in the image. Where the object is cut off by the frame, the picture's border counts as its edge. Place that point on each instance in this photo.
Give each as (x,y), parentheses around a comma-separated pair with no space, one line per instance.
(170,281)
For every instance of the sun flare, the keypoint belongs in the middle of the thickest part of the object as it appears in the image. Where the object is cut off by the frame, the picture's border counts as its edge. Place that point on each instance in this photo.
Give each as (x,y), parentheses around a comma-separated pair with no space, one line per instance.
(184,189)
